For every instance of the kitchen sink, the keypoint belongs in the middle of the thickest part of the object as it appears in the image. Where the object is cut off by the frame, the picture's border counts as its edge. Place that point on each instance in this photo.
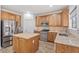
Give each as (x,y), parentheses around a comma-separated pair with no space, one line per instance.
(45,30)
(63,34)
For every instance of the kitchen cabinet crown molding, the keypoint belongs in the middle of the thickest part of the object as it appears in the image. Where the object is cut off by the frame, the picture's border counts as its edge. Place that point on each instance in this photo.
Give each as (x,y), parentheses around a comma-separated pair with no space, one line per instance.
(5,10)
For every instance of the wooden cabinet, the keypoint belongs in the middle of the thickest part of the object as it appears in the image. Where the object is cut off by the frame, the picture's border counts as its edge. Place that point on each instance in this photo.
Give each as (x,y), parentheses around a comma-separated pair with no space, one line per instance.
(61,48)
(18,20)
(65,17)
(4,15)
(41,19)
(55,20)
(58,19)
(35,44)
(52,20)
(7,16)
(51,36)
(16,44)
(11,16)
(22,45)
(25,45)
(38,21)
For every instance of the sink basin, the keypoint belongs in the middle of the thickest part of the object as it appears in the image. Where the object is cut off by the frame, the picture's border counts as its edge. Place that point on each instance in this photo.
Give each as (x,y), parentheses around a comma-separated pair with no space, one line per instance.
(61,34)
(45,30)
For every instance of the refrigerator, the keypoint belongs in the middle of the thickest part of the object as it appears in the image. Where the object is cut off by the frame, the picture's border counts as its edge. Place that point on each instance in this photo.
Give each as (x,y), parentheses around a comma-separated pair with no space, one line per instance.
(0,33)
(7,31)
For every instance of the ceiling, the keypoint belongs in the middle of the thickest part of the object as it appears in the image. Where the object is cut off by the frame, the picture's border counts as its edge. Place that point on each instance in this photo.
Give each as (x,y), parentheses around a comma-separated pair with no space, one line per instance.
(35,9)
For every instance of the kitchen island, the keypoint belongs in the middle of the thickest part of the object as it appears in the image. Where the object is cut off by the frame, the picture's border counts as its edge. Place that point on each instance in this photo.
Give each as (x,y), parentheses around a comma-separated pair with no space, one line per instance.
(26,43)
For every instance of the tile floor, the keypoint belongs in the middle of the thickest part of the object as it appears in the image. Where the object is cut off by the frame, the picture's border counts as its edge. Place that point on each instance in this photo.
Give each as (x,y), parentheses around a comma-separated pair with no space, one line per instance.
(44,47)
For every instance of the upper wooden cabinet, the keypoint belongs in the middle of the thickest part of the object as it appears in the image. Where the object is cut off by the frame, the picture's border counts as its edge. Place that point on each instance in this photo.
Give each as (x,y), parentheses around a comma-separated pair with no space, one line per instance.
(12,16)
(18,20)
(55,20)
(7,16)
(38,21)
(4,15)
(41,19)
(65,17)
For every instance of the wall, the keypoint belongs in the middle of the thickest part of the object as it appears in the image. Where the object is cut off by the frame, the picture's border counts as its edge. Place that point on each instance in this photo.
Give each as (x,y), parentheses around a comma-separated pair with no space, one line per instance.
(78,17)
(28,23)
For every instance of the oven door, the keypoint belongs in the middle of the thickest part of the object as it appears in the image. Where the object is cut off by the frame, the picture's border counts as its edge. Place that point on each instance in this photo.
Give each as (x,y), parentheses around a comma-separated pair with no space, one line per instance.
(43,36)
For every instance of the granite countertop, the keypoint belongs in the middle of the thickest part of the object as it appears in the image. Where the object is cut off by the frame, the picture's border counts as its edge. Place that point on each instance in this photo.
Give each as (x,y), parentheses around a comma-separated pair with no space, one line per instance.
(70,40)
(26,35)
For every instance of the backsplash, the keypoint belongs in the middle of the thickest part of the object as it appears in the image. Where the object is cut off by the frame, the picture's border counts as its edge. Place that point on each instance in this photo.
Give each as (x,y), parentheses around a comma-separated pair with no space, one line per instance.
(57,29)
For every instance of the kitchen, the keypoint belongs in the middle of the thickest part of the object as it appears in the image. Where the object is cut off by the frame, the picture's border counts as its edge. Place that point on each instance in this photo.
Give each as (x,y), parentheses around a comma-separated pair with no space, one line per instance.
(43,29)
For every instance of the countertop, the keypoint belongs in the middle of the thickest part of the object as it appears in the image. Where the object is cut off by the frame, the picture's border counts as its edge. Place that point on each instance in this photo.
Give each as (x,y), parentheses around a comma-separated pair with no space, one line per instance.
(26,35)
(70,40)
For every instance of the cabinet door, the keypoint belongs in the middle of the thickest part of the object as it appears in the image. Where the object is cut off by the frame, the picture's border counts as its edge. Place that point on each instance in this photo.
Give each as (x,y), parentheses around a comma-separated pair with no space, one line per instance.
(11,16)
(18,20)
(35,42)
(51,20)
(16,44)
(51,36)
(7,16)
(65,17)
(41,19)
(38,22)
(4,15)
(58,19)
(25,45)
(55,20)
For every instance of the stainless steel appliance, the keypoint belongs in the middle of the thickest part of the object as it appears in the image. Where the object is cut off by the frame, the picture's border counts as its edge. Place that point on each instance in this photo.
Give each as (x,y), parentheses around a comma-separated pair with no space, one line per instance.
(0,33)
(44,32)
(7,31)
(44,36)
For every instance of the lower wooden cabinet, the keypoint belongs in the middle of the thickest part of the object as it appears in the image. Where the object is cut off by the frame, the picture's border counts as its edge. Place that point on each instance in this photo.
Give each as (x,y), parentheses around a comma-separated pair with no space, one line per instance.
(61,48)
(16,44)
(21,45)
(35,44)
(51,36)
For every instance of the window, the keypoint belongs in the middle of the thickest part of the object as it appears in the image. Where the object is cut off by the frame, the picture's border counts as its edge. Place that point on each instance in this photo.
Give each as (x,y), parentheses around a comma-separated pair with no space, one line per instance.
(74,17)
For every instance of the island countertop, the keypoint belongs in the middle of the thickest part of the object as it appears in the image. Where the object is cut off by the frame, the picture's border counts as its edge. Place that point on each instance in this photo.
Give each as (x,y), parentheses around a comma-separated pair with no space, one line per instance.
(70,40)
(26,35)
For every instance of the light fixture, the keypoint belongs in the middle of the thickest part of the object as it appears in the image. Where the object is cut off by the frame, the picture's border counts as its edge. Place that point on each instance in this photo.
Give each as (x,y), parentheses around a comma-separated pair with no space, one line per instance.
(28,15)
(50,5)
